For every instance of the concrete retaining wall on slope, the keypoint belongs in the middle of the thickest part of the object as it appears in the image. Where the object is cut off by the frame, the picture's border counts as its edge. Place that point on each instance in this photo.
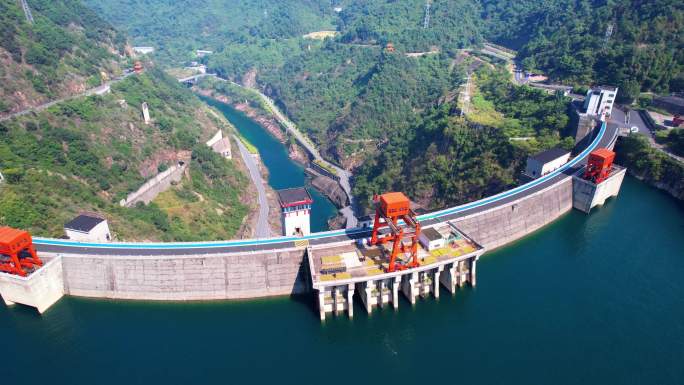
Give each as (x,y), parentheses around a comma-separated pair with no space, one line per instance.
(153,187)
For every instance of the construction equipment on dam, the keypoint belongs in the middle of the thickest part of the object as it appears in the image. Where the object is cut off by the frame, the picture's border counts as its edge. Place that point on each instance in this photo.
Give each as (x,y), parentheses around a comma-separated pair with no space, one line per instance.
(599,165)
(390,261)
(599,180)
(389,209)
(17,254)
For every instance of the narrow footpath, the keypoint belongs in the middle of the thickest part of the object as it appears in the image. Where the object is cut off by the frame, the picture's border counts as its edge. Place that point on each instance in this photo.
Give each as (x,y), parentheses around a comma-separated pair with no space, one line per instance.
(263,230)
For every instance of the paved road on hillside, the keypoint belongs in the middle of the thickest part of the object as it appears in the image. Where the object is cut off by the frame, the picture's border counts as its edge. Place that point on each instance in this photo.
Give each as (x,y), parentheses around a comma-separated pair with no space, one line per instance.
(99,90)
(263,230)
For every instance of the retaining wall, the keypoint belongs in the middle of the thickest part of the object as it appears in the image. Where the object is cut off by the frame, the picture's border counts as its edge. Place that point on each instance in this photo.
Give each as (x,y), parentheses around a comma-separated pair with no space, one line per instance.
(153,187)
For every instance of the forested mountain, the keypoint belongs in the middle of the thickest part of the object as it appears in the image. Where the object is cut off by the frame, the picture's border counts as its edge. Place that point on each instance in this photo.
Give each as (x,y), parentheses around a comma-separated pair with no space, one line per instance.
(87,153)
(352,99)
(444,158)
(636,45)
(176,28)
(66,49)
(391,113)
(452,24)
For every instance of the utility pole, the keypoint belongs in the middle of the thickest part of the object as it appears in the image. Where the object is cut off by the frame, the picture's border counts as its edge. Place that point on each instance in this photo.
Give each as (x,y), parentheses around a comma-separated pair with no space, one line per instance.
(608,34)
(426,19)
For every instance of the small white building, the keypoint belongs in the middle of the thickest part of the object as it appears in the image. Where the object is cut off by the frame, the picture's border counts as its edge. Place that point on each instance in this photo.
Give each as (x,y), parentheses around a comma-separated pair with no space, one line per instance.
(203,52)
(220,145)
(546,161)
(431,239)
(88,227)
(599,101)
(143,50)
(295,204)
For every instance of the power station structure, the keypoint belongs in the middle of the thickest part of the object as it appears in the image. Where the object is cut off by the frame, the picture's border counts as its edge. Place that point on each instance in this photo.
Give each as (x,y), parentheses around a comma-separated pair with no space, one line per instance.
(295,205)
(17,254)
(599,101)
(335,266)
(389,209)
(600,165)
(598,181)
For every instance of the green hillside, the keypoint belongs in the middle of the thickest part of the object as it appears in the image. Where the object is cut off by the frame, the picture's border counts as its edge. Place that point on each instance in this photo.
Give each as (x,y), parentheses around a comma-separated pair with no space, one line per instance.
(89,153)
(67,49)
(568,40)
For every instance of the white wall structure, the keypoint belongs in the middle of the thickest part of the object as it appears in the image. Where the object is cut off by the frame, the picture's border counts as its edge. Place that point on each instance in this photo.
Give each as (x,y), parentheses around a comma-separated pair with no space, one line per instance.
(143,50)
(220,145)
(295,204)
(146,113)
(546,161)
(87,227)
(153,187)
(599,101)
(2,178)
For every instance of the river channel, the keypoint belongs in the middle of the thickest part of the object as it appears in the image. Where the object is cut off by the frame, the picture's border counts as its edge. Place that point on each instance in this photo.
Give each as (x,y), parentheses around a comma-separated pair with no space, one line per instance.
(283,171)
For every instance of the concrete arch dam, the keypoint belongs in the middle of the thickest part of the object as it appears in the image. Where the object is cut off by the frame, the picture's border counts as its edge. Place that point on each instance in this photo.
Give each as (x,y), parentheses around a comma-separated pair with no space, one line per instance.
(241,269)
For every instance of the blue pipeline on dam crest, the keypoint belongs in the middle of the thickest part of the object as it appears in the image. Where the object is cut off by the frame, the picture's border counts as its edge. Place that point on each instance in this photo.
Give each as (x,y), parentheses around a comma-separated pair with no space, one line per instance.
(326,234)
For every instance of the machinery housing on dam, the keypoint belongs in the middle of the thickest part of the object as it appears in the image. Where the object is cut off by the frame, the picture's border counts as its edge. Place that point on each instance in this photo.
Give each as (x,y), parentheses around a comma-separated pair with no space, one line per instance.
(403,253)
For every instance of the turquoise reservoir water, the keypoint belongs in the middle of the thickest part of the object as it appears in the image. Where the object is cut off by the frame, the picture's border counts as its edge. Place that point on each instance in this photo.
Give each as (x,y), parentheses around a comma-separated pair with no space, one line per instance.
(283,171)
(595,299)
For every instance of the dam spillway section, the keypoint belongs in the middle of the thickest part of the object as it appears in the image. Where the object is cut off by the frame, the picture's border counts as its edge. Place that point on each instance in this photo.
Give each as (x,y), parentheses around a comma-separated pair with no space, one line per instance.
(447,257)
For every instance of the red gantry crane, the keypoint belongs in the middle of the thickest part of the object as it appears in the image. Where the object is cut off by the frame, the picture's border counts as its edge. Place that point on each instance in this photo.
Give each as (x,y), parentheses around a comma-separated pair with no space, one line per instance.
(392,207)
(599,165)
(17,251)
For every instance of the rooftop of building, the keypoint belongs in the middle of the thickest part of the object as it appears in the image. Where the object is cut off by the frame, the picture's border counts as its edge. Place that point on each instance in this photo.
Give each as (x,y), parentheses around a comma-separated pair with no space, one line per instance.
(431,234)
(84,223)
(604,88)
(294,196)
(10,235)
(549,155)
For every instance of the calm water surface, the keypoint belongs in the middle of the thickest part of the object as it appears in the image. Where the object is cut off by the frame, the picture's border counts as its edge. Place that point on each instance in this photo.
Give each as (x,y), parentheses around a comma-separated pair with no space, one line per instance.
(593,299)
(283,171)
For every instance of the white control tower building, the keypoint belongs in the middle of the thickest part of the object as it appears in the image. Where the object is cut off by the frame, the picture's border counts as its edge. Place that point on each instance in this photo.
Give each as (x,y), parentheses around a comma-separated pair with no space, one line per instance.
(599,101)
(295,204)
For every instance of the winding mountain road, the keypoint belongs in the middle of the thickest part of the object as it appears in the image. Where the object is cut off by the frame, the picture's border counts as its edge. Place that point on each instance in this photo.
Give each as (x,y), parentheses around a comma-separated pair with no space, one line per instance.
(263,230)
(99,90)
